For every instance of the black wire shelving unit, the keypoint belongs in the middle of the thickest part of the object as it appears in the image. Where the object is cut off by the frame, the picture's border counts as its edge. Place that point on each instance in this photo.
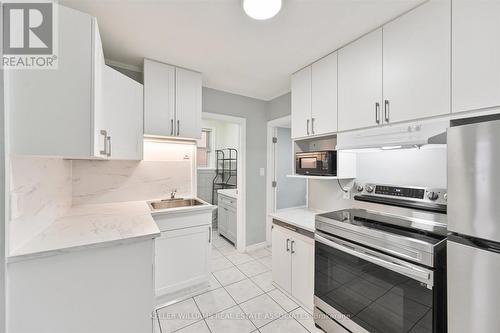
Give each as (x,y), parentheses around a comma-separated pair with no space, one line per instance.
(226,171)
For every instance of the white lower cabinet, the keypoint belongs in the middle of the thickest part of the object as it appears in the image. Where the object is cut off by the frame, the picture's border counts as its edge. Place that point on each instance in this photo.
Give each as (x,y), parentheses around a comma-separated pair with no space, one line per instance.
(226,217)
(101,289)
(182,259)
(293,264)
(282,263)
(182,252)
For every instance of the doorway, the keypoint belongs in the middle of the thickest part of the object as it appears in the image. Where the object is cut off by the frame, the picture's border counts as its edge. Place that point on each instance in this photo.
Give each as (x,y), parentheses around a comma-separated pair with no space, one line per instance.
(221,167)
(283,191)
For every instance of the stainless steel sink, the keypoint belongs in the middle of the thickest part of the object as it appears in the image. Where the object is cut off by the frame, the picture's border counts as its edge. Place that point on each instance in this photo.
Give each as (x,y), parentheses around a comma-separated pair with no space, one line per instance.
(175,203)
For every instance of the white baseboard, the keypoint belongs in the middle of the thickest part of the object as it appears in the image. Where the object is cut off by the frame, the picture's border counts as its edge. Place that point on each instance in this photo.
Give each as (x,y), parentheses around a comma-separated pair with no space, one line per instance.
(257,246)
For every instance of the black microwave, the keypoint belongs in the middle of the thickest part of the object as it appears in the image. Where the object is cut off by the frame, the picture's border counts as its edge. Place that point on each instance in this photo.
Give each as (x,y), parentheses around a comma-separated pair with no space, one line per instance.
(316,163)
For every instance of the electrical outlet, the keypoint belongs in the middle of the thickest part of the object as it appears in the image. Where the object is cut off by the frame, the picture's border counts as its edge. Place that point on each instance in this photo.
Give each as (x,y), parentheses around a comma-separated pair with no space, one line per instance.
(347,195)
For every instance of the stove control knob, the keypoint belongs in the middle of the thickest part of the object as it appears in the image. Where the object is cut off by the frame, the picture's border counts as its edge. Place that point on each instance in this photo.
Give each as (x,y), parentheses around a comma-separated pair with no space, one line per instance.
(369,188)
(432,196)
(445,196)
(360,188)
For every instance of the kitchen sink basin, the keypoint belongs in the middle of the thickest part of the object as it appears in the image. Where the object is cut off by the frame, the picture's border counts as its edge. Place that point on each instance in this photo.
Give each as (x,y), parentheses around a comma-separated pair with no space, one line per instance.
(175,203)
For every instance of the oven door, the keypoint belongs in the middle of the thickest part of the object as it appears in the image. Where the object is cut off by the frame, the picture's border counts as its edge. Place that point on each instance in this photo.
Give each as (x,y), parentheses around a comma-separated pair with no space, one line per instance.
(367,291)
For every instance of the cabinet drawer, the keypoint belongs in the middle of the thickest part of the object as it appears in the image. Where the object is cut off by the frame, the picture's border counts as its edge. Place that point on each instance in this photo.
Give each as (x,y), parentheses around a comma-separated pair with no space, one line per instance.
(227,201)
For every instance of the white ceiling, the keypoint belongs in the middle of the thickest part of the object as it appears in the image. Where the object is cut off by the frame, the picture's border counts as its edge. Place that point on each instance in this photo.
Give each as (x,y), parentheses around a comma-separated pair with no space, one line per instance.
(235,53)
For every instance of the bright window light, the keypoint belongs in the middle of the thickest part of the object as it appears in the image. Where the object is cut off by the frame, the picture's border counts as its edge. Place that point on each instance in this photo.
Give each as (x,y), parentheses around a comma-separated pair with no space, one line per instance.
(261,9)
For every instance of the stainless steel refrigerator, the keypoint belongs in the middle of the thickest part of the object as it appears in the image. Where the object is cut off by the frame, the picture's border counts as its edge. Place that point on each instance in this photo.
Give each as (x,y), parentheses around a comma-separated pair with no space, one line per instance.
(473,248)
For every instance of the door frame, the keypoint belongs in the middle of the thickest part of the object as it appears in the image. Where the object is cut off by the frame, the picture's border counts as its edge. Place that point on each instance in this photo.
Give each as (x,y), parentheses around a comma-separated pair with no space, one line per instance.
(270,191)
(241,180)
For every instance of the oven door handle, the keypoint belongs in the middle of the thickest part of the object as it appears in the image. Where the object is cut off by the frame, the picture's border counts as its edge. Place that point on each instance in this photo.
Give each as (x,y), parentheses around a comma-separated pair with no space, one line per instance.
(413,272)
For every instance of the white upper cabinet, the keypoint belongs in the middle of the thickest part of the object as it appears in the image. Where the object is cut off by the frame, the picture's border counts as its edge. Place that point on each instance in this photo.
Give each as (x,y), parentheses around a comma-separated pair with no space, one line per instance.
(58,112)
(301,103)
(123,105)
(475,54)
(360,82)
(159,98)
(324,95)
(188,103)
(172,101)
(416,63)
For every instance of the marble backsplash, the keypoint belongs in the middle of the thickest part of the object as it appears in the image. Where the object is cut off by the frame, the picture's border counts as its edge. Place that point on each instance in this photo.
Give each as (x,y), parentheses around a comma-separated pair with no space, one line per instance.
(40,192)
(43,189)
(116,181)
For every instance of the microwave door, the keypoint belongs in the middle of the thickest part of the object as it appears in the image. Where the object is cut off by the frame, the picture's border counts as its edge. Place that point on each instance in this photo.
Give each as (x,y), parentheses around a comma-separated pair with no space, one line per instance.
(308,163)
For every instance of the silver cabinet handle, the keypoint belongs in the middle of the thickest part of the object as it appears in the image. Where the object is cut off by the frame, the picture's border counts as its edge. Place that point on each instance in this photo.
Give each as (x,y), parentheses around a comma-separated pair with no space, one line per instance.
(287,244)
(307,126)
(108,138)
(293,251)
(377,113)
(171,127)
(312,125)
(386,110)
(178,126)
(105,144)
(210,234)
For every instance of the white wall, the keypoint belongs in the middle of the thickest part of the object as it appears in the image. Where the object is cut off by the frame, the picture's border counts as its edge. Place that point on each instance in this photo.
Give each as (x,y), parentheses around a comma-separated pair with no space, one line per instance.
(418,167)
(226,134)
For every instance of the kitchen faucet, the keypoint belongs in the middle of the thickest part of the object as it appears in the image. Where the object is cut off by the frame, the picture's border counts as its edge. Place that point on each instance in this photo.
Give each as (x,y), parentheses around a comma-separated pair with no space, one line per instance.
(172,194)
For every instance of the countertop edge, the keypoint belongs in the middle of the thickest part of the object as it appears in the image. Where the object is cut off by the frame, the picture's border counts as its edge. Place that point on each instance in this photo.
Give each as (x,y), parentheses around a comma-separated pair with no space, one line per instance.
(65,250)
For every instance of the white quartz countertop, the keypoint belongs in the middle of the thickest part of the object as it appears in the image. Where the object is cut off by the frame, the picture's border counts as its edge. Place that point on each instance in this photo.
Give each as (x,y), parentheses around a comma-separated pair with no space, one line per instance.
(91,225)
(301,217)
(232,193)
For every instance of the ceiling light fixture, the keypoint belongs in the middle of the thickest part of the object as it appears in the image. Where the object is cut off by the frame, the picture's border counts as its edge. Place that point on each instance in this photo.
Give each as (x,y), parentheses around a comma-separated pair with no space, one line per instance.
(261,9)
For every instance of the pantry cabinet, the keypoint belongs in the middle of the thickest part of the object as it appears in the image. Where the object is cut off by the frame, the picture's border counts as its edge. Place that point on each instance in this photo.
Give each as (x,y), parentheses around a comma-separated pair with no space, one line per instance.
(123,119)
(416,63)
(475,54)
(58,112)
(314,98)
(360,82)
(293,262)
(172,101)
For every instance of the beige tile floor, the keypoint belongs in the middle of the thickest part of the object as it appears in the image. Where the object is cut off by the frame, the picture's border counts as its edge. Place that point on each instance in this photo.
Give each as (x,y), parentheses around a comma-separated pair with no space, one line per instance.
(242,299)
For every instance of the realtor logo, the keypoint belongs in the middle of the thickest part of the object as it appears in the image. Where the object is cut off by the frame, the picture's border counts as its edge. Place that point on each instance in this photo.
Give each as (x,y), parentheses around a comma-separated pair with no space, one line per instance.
(28,35)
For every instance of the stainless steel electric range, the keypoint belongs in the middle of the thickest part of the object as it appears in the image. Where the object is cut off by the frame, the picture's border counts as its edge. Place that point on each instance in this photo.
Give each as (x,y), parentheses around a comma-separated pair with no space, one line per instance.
(381,266)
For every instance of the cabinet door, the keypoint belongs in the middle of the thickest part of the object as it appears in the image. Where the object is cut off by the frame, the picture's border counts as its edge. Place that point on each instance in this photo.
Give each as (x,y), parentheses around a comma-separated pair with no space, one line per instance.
(417,63)
(301,103)
(159,98)
(187,103)
(100,112)
(51,111)
(281,258)
(123,103)
(173,249)
(324,95)
(475,54)
(231,224)
(222,220)
(360,82)
(303,271)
